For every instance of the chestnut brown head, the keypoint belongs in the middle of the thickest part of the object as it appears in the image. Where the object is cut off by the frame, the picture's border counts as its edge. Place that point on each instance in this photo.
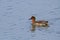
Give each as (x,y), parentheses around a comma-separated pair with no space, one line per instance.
(33,17)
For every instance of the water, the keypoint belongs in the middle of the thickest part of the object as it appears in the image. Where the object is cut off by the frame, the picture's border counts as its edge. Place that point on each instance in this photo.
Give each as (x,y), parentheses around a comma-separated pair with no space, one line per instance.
(14,23)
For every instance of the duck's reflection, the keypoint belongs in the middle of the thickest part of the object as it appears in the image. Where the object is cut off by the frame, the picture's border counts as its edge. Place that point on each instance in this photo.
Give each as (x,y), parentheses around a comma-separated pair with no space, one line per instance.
(33,27)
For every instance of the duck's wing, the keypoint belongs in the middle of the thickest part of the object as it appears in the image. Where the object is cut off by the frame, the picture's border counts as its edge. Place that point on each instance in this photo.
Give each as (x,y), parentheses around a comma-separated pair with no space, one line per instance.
(38,21)
(41,21)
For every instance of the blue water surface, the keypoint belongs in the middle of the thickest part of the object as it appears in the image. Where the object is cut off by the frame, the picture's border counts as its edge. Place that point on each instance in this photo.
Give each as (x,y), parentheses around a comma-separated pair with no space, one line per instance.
(14,23)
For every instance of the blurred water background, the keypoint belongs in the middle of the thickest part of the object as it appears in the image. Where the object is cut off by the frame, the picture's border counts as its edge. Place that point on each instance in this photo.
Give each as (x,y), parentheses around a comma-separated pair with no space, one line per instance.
(14,23)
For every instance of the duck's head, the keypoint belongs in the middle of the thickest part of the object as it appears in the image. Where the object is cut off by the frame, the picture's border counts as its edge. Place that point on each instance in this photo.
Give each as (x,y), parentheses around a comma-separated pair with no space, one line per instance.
(32,17)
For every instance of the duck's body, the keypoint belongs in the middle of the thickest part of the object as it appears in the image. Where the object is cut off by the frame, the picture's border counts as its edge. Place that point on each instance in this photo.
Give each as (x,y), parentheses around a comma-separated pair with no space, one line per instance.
(41,23)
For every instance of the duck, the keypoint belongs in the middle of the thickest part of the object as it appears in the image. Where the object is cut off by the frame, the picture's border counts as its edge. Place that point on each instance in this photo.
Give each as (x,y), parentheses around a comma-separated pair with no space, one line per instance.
(40,23)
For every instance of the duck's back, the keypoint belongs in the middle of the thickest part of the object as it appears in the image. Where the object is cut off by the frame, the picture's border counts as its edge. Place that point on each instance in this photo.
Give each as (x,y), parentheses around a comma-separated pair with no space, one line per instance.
(41,21)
